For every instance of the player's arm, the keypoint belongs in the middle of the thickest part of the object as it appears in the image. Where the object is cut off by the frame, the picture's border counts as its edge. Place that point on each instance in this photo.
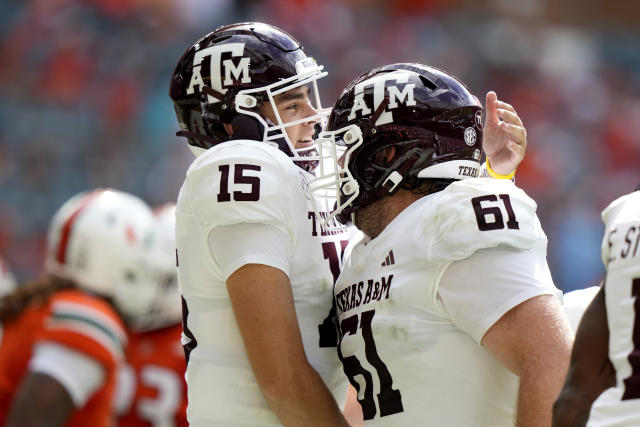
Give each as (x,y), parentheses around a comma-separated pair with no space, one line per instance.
(264,309)
(533,340)
(58,381)
(352,410)
(590,371)
(40,400)
(504,139)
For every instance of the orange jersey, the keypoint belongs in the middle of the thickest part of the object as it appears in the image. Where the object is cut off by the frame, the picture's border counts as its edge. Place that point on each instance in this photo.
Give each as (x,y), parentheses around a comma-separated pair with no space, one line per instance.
(78,321)
(152,388)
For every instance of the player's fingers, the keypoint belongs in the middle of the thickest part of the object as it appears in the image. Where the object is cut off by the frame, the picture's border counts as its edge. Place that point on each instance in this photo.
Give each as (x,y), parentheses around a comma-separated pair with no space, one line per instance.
(514,145)
(492,116)
(509,116)
(517,149)
(519,133)
(504,105)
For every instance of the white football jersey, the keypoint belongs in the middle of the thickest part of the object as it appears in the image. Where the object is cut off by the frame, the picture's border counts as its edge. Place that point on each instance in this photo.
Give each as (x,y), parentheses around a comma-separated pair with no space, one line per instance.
(576,302)
(621,255)
(240,182)
(411,364)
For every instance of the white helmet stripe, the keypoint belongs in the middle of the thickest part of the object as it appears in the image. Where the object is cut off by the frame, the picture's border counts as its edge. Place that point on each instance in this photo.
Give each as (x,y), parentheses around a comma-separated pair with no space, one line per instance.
(454,169)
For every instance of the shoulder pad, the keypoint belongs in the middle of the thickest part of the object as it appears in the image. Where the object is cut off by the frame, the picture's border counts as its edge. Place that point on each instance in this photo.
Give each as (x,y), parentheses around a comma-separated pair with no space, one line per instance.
(576,302)
(242,182)
(482,213)
(623,210)
(86,324)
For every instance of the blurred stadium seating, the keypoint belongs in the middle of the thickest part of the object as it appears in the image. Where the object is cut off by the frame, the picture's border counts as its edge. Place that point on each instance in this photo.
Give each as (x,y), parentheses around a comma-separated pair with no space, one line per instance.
(84,97)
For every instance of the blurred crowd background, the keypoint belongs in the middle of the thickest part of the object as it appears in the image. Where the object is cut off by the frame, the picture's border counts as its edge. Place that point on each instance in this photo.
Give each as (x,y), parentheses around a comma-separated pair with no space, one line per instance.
(84,97)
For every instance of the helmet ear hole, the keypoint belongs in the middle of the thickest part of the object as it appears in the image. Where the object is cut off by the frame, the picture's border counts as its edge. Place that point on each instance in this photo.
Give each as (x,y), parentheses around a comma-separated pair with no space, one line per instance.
(246,127)
(385,157)
(229,128)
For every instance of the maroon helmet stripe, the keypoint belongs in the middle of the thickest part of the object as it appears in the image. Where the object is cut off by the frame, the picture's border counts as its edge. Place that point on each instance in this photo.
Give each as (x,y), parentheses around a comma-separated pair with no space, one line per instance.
(61,255)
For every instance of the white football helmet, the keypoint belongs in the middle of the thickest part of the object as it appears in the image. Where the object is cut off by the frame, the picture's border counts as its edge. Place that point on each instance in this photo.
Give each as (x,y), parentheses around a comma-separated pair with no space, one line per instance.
(7,281)
(167,308)
(101,240)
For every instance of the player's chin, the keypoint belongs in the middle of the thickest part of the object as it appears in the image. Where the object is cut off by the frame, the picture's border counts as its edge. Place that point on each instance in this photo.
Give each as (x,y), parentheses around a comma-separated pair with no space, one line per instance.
(304,143)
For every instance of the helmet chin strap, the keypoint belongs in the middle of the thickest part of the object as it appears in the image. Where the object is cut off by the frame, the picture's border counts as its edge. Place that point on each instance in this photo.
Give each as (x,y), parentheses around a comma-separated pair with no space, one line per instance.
(368,125)
(246,127)
(393,180)
(212,92)
(249,127)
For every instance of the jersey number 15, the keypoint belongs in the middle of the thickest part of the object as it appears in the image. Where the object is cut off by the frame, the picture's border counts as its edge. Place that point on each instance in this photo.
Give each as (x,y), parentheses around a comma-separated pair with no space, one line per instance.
(239,178)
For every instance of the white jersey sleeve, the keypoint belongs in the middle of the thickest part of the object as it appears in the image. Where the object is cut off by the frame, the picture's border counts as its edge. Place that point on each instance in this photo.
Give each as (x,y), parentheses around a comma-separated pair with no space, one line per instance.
(489,229)
(482,213)
(271,246)
(576,302)
(79,374)
(245,182)
(477,291)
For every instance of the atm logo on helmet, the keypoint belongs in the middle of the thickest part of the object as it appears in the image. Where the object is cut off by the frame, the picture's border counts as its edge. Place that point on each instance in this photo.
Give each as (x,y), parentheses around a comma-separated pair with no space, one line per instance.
(396,95)
(228,68)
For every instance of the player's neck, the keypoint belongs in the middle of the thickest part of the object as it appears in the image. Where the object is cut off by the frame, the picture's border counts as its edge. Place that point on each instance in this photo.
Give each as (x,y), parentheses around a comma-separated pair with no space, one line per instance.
(373,219)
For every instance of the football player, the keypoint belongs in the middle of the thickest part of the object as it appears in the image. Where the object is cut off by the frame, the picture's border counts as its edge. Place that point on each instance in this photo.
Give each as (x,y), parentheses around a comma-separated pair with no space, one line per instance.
(255,268)
(575,304)
(63,337)
(607,341)
(7,281)
(151,387)
(448,314)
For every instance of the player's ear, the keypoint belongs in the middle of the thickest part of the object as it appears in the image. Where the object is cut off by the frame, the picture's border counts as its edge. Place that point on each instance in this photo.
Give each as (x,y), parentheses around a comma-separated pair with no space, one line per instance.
(386,156)
(229,128)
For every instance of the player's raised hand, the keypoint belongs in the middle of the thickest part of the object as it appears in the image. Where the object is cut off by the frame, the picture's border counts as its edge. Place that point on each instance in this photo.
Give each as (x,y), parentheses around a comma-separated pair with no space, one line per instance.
(504,137)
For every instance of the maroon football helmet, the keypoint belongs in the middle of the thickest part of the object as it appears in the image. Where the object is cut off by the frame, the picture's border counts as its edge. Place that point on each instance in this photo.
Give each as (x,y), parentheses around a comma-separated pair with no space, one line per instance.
(429,117)
(224,76)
